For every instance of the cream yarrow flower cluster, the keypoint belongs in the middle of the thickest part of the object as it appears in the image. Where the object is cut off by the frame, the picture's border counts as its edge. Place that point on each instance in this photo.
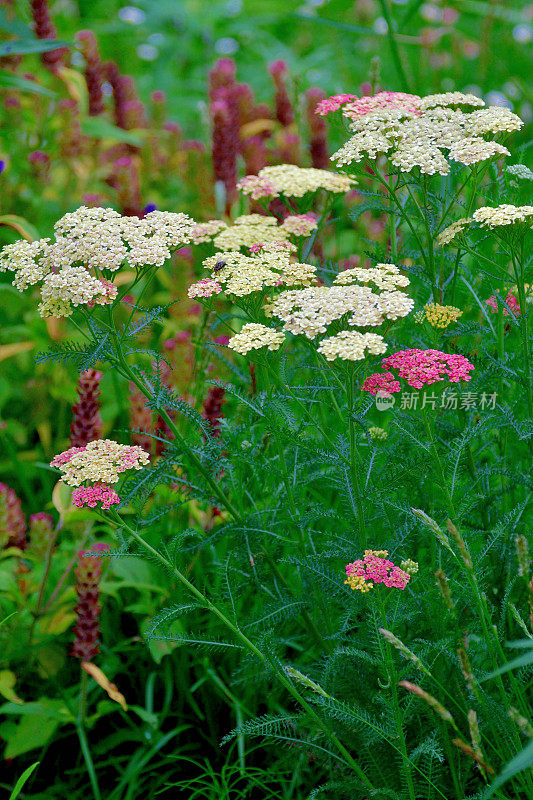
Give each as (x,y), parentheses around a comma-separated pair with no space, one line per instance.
(427,133)
(254,336)
(448,234)
(384,276)
(88,241)
(309,311)
(203,232)
(254,229)
(242,275)
(292,181)
(351,346)
(100,461)
(502,215)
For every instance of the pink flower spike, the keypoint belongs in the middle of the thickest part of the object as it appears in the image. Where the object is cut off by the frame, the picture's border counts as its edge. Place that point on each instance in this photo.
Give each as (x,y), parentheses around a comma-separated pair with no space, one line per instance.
(93,495)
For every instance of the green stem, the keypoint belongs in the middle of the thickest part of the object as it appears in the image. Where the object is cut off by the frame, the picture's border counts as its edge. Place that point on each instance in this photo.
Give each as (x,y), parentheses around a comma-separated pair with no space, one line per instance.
(353,459)
(393,680)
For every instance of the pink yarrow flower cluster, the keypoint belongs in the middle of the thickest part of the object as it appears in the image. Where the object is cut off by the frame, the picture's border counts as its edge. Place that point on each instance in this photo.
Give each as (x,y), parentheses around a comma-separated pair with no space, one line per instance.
(511,301)
(383,382)
(374,567)
(93,495)
(204,288)
(333,103)
(419,367)
(359,106)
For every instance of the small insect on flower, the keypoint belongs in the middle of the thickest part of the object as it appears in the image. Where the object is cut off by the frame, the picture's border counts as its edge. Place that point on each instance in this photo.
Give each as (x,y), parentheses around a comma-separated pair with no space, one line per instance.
(218,266)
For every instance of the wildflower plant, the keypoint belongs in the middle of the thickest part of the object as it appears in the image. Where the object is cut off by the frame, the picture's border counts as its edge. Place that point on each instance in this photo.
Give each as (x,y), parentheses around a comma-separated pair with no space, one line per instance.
(363,576)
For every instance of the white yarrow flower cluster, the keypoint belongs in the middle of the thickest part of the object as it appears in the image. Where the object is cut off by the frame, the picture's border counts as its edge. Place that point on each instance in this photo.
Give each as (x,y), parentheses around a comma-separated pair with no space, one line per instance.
(250,230)
(448,234)
(502,215)
(242,274)
(351,345)
(26,260)
(254,336)
(92,239)
(427,135)
(473,150)
(309,311)
(384,276)
(292,181)
(99,461)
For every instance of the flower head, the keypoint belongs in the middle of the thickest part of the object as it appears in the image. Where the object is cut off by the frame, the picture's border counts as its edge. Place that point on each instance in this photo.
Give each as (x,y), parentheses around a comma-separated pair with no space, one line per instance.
(292,181)
(351,345)
(425,132)
(420,367)
(100,461)
(254,336)
(204,288)
(448,234)
(441,316)
(269,265)
(503,215)
(95,495)
(309,311)
(510,300)
(383,382)
(12,521)
(375,567)
(89,240)
(88,575)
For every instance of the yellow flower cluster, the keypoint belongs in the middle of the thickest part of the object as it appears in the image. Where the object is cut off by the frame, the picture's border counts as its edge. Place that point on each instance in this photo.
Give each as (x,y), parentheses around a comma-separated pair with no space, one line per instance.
(358,583)
(409,566)
(377,433)
(439,316)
